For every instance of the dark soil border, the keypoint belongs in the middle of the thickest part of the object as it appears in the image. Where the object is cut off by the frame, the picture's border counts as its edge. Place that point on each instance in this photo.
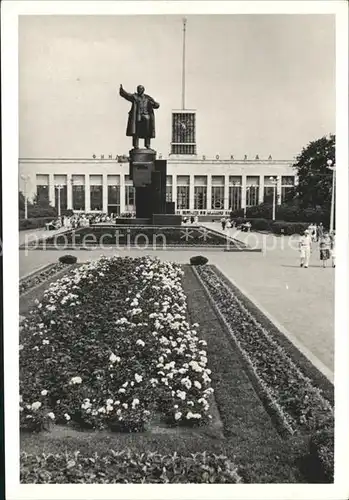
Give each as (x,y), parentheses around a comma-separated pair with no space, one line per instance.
(309,370)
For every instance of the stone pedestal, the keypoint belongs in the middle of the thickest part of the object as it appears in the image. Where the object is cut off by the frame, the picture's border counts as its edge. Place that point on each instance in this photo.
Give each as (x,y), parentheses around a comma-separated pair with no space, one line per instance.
(149,179)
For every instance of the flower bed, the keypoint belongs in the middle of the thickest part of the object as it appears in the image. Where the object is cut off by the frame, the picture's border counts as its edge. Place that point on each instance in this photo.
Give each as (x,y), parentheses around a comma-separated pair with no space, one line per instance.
(36,279)
(299,404)
(127,467)
(143,236)
(110,345)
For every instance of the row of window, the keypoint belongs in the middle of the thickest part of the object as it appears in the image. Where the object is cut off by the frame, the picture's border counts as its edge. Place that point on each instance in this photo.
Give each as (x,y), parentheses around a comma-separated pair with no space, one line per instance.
(200,197)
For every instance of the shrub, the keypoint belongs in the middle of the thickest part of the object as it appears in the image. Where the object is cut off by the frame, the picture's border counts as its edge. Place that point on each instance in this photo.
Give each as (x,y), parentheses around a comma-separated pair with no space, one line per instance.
(33,223)
(288,228)
(68,259)
(127,467)
(321,449)
(36,211)
(198,260)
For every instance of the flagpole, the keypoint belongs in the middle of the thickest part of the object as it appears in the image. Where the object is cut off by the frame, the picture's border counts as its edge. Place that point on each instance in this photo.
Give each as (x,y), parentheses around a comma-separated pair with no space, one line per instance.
(183,63)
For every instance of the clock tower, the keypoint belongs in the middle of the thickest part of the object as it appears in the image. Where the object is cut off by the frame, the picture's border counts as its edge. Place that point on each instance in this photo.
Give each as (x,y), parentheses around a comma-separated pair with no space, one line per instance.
(183,141)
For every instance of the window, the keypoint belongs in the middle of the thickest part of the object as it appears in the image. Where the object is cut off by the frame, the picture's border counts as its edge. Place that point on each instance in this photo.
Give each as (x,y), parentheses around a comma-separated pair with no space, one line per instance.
(235,182)
(183,197)
(200,192)
(78,197)
(78,192)
(96,197)
(287,187)
(217,192)
(200,197)
(252,191)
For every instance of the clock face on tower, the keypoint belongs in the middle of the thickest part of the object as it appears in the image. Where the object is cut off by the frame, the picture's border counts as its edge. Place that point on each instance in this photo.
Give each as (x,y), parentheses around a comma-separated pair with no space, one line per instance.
(183,128)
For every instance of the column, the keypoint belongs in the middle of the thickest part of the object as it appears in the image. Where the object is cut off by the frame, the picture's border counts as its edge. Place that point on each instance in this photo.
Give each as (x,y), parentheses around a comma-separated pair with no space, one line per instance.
(226,192)
(278,190)
(174,189)
(243,191)
(87,193)
(209,192)
(69,192)
(191,192)
(261,189)
(122,192)
(105,193)
(51,189)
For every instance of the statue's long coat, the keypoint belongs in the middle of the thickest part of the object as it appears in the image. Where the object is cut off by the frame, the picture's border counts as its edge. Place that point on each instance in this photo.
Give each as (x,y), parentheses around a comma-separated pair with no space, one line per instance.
(132,115)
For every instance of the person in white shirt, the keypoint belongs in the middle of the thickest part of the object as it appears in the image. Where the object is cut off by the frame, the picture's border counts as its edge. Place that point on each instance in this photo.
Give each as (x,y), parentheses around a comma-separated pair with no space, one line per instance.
(305,248)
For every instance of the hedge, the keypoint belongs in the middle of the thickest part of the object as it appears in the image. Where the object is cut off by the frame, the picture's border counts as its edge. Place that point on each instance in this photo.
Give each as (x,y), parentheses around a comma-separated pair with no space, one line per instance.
(68,259)
(321,449)
(127,467)
(198,260)
(33,223)
(39,212)
(286,213)
(276,227)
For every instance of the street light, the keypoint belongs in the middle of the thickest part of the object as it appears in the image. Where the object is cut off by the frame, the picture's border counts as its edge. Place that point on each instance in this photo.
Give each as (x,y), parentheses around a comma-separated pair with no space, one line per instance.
(274,182)
(59,187)
(247,192)
(25,178)
(333,168)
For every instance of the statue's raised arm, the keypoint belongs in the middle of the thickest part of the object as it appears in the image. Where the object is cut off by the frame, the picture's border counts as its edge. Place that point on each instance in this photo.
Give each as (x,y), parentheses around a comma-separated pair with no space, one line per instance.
(126,95)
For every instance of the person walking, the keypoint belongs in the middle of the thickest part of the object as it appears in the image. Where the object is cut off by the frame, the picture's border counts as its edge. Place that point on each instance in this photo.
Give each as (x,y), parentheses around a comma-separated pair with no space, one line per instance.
(325,248)
(223,222)
(319,232)
(305,249)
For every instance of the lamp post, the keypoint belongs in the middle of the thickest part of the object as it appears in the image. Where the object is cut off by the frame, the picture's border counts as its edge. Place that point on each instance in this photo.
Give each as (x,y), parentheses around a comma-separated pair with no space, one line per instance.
(333,168)
(274,182)
(247,192)
(25,178)
(59,187)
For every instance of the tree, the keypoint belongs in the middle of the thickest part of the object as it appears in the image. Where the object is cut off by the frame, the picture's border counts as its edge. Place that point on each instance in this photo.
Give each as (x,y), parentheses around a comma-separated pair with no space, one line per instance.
(314,178)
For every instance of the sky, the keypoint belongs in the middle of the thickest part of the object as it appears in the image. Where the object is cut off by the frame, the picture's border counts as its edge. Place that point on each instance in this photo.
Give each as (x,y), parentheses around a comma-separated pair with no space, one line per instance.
(260,84)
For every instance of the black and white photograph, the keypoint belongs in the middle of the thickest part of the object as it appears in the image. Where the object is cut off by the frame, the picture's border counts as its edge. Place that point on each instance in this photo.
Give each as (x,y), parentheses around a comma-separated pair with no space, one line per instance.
(175,286)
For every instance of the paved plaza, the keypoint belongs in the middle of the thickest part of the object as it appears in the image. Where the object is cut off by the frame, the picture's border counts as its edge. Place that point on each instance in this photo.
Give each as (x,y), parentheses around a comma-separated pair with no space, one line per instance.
(299,300)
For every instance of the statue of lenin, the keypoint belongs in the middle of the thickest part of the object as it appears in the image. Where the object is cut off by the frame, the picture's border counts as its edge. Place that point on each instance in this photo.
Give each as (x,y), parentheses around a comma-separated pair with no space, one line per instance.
(141,119)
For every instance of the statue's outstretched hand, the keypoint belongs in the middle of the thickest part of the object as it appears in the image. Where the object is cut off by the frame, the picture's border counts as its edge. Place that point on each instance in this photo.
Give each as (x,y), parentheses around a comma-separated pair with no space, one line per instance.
(121,86)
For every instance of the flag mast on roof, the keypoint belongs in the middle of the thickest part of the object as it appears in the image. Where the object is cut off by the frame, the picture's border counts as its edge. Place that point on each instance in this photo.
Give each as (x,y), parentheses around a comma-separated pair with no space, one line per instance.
(183,63)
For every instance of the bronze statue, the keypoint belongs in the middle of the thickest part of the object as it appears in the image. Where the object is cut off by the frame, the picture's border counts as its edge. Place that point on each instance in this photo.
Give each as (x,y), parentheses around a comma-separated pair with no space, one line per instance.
(141,119)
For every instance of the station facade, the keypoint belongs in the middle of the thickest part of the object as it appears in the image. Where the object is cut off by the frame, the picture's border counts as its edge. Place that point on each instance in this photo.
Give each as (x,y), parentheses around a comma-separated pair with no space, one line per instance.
(196,185)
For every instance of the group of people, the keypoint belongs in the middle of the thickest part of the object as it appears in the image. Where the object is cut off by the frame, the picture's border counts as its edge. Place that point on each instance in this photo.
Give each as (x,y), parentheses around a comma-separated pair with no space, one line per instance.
(327,245)
(80,220)
(192,219)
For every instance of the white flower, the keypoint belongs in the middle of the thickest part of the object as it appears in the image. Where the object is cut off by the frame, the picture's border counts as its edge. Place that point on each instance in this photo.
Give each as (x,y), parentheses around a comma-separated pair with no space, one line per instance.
(109,401)
(112,358)
(122,390)
(20,399)
(44,393)
(75,380)
(181,395)
(36,405)
(138,378)
(140,342)
(197,384)
(51,415)
(67,417)
(178,415)
(21,347)
(45,342)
